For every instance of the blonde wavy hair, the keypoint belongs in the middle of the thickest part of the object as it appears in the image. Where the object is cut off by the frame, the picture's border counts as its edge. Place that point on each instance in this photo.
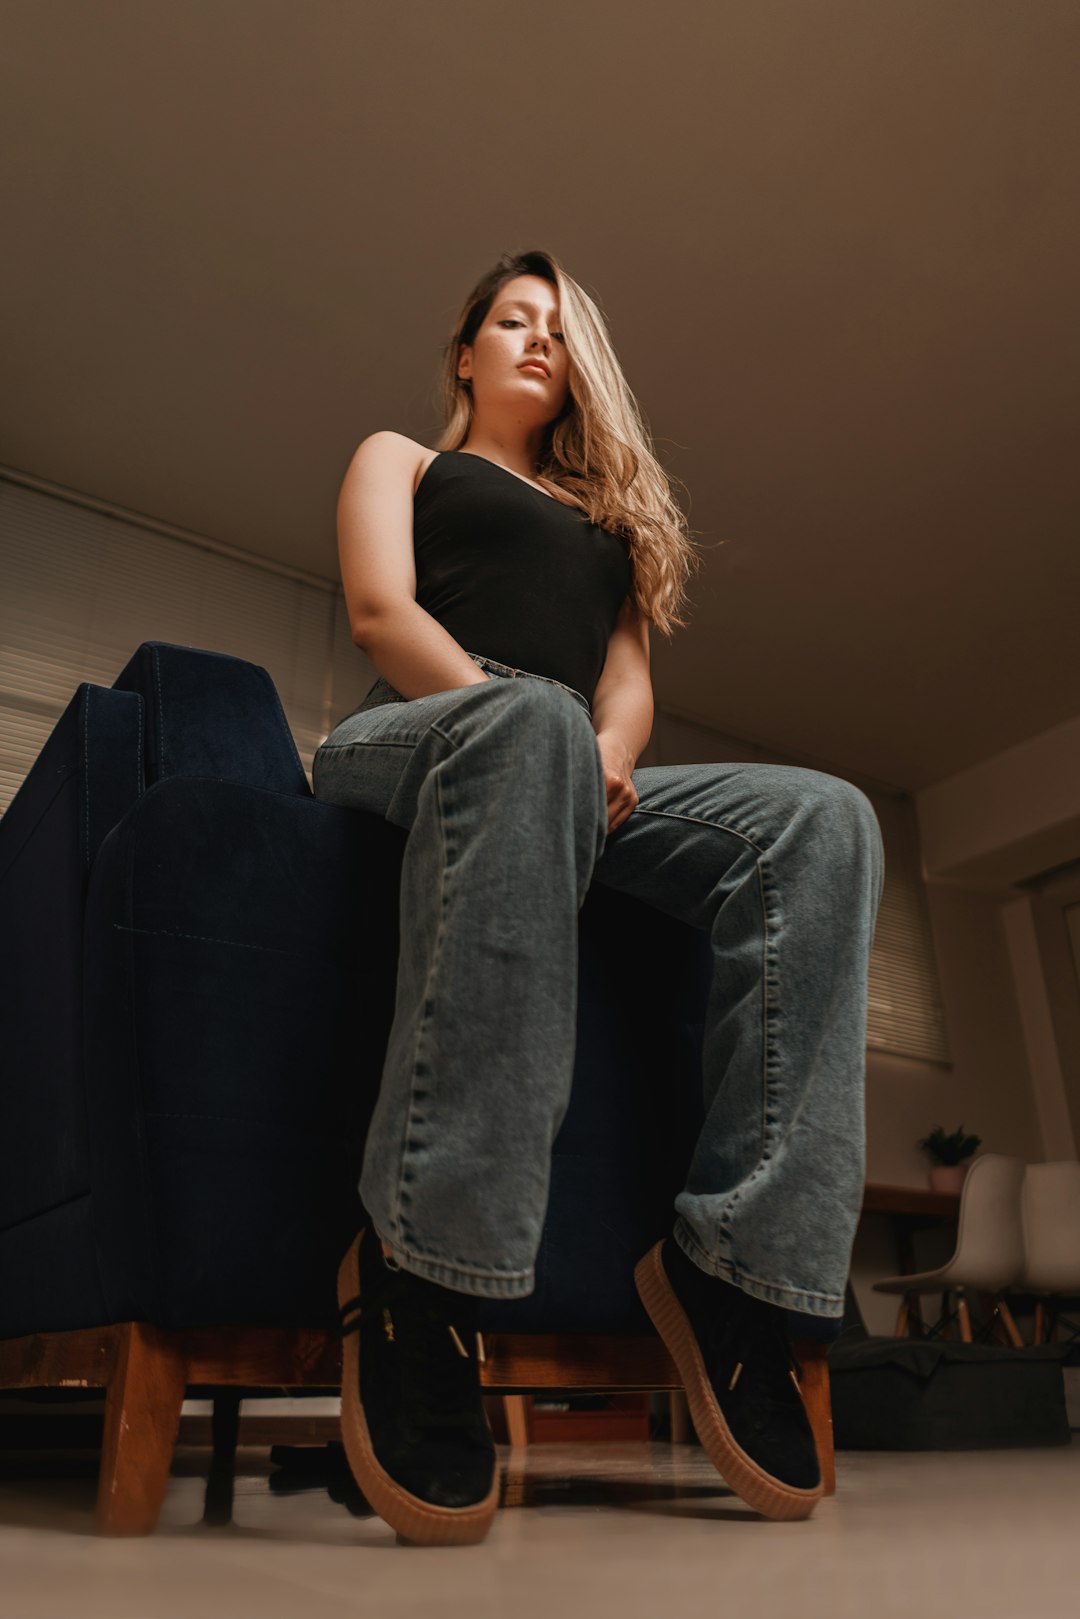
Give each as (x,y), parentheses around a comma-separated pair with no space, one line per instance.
(597,454)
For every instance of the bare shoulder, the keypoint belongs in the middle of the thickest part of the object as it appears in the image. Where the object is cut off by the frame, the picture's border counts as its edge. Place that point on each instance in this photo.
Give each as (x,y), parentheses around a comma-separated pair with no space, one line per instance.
(396,452)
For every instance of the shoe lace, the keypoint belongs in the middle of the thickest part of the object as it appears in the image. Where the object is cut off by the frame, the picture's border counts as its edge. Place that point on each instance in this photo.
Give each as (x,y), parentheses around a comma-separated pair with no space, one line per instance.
(754,1355)
(440,1377)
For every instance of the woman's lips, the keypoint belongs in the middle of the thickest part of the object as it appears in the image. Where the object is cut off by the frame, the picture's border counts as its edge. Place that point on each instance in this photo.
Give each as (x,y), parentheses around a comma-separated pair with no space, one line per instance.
(533,365)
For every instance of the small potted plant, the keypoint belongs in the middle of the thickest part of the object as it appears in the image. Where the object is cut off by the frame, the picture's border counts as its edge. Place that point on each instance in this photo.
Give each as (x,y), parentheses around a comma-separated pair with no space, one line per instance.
(950,1154)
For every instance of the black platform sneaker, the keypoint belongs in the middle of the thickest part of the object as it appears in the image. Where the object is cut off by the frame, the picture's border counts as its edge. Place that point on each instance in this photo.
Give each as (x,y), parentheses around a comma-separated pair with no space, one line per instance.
(412,1415)
(741,1380)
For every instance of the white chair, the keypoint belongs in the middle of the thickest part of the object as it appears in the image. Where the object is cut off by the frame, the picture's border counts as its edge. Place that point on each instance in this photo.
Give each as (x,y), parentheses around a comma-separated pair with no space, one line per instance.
(1050,1220)
(989,1252)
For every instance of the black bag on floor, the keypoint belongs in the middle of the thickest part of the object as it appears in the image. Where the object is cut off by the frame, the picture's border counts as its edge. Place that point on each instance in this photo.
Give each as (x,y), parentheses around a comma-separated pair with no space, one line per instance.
(925,1394)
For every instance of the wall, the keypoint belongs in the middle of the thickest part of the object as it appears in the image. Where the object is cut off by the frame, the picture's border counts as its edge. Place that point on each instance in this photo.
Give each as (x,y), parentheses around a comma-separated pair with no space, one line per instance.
(1008,817)
(1011,825)
(988,1087)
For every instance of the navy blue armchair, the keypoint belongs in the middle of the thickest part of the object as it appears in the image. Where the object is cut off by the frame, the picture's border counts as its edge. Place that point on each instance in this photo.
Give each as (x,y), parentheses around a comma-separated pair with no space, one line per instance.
(197,968)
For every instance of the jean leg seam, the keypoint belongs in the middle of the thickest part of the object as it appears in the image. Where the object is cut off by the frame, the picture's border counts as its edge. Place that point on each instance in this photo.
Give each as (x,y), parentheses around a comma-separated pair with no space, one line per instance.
(769,1000)
(724,1217)
(770,1011)
(768,1130)
(453,741)
(423,1026)
(763,1158)
(699,820)
(362,742)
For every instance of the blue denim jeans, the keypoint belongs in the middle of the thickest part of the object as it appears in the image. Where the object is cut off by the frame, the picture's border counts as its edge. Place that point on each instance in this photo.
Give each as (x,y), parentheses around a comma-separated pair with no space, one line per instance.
(501,788)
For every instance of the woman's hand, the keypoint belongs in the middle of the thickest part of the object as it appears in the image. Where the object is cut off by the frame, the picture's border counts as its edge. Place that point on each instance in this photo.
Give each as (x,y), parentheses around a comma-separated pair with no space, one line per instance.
(618,764)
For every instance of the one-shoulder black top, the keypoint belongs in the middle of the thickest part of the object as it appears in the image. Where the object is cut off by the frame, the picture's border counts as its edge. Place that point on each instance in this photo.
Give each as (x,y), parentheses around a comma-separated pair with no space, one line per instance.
(513,574)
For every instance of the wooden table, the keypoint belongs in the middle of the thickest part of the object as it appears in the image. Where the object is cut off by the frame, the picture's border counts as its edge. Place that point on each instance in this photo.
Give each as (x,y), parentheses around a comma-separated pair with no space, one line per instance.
(911,1209)
(909,1200)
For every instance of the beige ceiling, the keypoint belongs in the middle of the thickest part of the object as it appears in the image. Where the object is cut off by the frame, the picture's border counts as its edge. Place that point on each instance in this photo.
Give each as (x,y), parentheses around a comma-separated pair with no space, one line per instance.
(836,241)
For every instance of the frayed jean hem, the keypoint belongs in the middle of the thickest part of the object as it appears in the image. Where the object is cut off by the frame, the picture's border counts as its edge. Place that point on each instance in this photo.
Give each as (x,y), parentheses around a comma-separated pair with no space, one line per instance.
(827,1305)
(480,1284)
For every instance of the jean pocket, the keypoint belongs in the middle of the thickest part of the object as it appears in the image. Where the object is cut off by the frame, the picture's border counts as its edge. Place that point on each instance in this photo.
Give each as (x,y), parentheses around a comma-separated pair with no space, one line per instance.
(382,692)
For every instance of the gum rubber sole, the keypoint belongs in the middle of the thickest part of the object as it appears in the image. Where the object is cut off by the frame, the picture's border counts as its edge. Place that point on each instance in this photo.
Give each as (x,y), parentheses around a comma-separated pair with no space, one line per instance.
(417,1521)
(757,1488)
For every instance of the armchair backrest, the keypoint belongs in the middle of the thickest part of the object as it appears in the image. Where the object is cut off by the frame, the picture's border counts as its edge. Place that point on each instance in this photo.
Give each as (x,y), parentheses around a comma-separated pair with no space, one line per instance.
(209,714)
(172,711)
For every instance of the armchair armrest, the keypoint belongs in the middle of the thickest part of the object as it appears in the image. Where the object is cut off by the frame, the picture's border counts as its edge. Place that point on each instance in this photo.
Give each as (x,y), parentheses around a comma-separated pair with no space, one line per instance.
(241,955)
(87,775)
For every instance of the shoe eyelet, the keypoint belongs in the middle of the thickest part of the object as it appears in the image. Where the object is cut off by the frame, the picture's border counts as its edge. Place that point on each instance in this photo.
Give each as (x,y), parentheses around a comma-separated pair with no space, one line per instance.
(457,1340)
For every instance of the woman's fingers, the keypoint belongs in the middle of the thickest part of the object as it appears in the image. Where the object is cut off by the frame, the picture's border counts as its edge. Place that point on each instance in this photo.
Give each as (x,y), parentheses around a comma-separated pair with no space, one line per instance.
(621,798)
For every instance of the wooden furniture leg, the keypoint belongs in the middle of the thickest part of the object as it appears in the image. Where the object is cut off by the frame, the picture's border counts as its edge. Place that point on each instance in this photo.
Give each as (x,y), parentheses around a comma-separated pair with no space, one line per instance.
(1006,1317)
(221,1480)
(146,1372)
(900,1330)
(682,1432)
(813,1359)
(516,1410)
(142,1371)
(142,1419)
(965,1316)
(1040,1321)
(946,1315)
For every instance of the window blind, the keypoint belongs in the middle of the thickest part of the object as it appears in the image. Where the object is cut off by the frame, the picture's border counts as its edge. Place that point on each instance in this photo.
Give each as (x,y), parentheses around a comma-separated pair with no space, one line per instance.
(905,1014)
(81,589)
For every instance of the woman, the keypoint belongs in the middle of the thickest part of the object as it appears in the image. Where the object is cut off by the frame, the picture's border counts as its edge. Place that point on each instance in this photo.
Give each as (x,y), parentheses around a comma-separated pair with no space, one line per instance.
(503,586)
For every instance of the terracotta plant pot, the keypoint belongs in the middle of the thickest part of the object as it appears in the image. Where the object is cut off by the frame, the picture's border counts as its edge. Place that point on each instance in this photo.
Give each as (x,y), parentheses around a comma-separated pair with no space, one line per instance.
(948,1177)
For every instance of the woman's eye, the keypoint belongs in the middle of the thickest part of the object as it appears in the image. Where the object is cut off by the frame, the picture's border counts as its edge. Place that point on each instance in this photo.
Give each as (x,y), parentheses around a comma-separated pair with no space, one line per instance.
(510,321)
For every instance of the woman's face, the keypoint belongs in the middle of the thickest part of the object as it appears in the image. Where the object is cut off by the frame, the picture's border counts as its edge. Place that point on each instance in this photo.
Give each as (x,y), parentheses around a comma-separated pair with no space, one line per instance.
(521,325)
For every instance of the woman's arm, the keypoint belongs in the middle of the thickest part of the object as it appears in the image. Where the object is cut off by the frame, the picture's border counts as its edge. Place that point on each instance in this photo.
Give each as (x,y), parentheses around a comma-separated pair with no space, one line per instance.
(378,572)
(622,709)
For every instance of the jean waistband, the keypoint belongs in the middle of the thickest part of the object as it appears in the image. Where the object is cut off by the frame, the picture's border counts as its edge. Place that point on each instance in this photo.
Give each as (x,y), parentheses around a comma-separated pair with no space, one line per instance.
(383,692)
(507,670)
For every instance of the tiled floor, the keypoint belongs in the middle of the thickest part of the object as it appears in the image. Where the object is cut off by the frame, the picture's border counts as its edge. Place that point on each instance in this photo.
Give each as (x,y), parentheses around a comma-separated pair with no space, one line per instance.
(622,1530)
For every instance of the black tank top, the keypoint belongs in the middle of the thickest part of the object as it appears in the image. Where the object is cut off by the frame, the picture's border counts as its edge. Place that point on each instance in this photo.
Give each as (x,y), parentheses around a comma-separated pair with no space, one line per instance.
(513,574)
